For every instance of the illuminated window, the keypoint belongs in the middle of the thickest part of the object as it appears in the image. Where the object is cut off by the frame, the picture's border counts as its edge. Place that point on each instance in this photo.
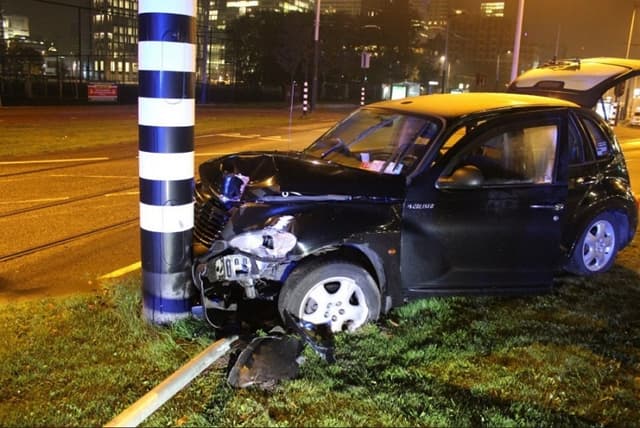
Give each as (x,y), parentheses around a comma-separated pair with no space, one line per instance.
(492,9)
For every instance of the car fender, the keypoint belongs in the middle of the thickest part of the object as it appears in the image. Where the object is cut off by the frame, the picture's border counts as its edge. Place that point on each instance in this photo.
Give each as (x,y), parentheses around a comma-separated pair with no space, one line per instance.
(595,203)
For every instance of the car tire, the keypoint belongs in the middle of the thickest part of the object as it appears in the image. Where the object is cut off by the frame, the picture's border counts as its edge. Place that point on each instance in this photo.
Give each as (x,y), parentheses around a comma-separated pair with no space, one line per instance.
(340,293)
(596,248)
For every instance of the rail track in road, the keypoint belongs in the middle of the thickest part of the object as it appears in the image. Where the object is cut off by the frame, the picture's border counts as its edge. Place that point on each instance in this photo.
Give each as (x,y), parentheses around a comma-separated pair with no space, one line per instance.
(69,239)
(62,164)
(67,201)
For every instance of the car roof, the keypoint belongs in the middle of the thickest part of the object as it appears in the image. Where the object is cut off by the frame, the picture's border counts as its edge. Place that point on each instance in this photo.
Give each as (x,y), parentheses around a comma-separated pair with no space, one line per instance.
(451,106)
(583,81)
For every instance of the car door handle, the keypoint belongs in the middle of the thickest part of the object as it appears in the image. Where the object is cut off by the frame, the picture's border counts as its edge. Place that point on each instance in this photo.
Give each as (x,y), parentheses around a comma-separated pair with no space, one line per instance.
(554,207)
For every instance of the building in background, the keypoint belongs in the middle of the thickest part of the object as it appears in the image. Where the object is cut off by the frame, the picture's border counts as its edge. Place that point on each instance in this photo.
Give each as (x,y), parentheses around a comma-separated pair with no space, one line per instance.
(115,36)
(15,26)
(114,41)
(478,44)
(23,56)
(349,7)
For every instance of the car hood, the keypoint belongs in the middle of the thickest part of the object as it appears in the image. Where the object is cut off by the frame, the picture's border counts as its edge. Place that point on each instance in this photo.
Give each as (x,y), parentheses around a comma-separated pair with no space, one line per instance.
(582,81)
(269,176)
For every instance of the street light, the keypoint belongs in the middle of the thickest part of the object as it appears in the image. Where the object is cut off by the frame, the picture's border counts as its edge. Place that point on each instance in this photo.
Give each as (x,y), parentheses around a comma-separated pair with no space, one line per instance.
(316,58)
(443,60)
(516,41)
(633,20)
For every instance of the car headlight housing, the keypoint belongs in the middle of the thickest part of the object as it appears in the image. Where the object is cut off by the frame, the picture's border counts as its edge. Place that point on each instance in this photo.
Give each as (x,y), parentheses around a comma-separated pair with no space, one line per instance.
(273,241)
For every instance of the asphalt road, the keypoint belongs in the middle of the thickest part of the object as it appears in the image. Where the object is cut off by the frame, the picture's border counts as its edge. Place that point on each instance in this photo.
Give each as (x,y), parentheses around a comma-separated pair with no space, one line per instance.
(69,222)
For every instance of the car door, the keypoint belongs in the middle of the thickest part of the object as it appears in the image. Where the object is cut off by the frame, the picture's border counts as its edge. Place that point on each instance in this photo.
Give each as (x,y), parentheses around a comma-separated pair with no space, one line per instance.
(489,214)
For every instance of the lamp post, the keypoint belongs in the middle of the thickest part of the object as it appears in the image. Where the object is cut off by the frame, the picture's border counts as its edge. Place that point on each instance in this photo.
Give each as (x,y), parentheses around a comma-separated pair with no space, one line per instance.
(631,25)
(316,57)
(517,38)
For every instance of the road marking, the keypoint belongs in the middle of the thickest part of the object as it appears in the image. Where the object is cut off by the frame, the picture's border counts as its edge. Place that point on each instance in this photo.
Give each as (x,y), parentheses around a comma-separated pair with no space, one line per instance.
(30,201)
(92,176)
(211,154)
(52,161)
(131,193)
(122,271)
(274,138)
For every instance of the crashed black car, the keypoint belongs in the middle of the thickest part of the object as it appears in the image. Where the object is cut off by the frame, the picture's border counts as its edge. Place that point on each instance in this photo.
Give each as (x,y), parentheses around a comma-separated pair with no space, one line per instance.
(431,195)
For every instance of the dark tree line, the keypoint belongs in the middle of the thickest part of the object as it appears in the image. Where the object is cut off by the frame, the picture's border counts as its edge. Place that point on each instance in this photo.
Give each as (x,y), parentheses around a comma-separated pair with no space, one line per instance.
(270,48)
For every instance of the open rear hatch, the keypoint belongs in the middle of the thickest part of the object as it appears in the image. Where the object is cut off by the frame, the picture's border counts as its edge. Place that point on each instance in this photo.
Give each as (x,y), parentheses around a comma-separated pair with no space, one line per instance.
(582,81)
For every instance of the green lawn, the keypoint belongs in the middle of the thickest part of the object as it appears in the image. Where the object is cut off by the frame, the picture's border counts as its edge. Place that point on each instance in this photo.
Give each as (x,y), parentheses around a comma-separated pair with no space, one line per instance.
(567,358)
(44,130)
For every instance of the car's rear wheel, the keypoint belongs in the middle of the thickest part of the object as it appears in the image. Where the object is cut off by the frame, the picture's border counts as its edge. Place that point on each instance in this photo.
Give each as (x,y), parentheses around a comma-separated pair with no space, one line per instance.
(340,293)
(597,246)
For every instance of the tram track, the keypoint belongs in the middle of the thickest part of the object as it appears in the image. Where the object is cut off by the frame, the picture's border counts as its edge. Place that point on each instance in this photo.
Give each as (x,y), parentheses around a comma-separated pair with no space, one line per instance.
(69,239)
(60,164)
(67,201)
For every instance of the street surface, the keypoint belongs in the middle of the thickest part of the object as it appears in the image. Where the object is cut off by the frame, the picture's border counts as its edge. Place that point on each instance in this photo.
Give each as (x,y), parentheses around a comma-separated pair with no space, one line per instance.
(69,221)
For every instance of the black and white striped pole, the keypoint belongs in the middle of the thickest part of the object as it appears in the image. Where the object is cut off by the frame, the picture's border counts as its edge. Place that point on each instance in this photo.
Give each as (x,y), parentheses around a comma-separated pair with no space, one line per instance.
(365,60)
(305,98)
(166,117)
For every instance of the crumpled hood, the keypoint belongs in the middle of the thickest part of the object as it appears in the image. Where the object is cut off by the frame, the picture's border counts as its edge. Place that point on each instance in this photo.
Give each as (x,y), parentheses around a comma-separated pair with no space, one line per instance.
(254,176)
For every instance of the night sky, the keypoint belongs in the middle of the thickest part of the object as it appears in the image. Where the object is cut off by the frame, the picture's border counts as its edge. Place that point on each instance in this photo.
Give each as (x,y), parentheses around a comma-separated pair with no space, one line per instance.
(587,27)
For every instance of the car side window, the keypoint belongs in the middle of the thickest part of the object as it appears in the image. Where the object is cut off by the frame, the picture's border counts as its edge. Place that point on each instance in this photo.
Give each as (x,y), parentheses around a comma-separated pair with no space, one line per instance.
(514,155)
(601,144)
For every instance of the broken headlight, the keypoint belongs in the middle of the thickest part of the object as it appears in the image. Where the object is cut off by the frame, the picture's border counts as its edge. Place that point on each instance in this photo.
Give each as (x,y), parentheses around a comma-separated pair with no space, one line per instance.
(273,241)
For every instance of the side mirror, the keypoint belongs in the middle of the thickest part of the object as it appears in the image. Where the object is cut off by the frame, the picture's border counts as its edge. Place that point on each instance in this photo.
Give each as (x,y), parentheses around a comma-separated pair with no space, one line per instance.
(464,176)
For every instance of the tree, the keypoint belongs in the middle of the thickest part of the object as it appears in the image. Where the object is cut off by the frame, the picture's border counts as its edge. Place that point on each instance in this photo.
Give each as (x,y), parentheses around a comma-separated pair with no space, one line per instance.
(294,46)
(270,48)
(23,61)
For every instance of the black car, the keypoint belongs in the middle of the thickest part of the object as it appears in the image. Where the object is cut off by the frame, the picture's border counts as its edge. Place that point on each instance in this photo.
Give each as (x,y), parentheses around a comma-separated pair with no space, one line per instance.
(431,195)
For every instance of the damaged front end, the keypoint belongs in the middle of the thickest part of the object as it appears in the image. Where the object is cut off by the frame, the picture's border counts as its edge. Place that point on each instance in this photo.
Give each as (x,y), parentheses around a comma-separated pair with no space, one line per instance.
(248,266)
(258,215)
(245,265)
(241,246)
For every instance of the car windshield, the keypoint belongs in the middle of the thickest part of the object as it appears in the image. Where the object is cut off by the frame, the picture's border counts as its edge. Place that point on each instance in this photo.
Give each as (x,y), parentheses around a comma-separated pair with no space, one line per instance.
(377,140)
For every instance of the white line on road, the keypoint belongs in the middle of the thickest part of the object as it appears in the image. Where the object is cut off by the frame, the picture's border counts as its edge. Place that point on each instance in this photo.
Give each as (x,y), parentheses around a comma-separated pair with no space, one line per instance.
(209,154)
(30,201)
(52,161)
(122,271)
(238,135)
(273,138)
(131,193)
(92,176)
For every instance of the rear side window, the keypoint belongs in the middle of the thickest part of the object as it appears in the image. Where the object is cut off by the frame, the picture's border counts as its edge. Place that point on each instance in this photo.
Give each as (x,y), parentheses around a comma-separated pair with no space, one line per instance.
(601,143)
(579,147)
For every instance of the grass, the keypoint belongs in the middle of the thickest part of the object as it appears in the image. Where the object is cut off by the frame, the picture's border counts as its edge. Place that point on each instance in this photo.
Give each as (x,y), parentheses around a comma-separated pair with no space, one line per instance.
(62,366)
(42,130)
(567,358)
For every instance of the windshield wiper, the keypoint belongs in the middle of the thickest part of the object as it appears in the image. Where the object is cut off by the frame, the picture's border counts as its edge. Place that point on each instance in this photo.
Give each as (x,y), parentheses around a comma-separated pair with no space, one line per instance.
(364,134)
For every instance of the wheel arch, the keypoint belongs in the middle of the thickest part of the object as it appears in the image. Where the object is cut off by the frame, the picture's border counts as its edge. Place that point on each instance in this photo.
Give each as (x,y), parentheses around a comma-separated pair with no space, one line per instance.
(358,254)
(615,207)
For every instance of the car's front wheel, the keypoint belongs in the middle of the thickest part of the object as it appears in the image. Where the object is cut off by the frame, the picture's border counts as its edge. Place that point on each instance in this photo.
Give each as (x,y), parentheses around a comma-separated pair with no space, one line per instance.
(340,293)
(596,248)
